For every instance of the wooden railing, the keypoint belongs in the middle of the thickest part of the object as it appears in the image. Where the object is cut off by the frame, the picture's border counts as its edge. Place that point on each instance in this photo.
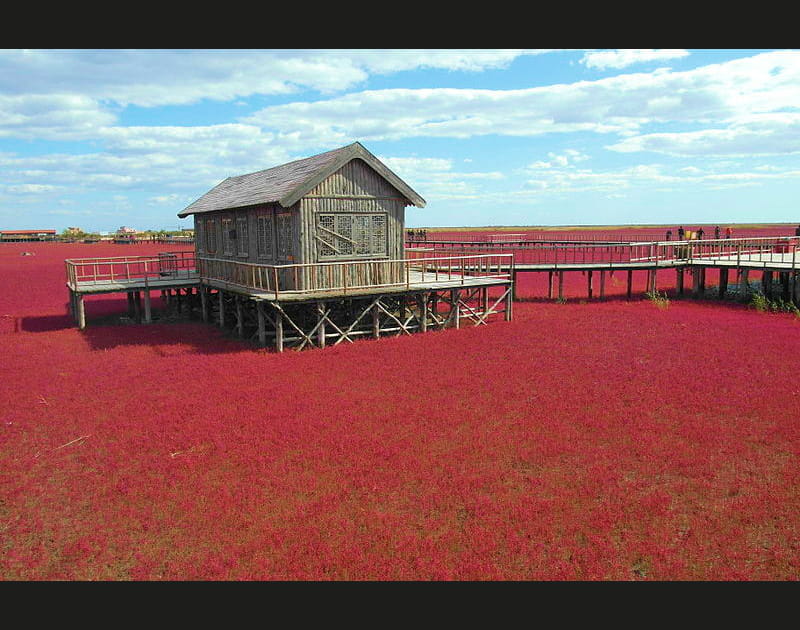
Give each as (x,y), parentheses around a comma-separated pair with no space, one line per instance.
(554,253)
(352,276)
(96,271)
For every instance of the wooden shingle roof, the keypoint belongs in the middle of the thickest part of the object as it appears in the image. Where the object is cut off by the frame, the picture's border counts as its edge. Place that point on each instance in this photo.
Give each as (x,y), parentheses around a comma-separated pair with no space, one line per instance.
(287,183)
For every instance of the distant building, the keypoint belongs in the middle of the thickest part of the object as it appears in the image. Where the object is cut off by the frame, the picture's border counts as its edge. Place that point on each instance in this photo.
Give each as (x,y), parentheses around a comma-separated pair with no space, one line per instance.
(27,235)
(73,231)
(126,230)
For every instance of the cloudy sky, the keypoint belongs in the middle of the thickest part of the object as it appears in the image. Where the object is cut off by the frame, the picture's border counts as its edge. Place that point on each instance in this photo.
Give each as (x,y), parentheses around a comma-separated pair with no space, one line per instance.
(104,138)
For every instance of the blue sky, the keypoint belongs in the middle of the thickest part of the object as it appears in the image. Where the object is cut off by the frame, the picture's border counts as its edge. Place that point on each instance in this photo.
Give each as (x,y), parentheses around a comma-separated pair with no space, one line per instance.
(104,138)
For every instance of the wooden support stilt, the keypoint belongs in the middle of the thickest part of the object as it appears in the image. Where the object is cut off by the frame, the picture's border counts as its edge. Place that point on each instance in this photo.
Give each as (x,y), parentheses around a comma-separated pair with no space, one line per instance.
(204,302)
(590,282)
(698,281)
(131,306)
(454,304)
(137,306)
(262,333)
(509,306)
(560,285)
(279,331)
(321,328)
(549,285)
(239,317)
(785,285)
(602,284)
(221,308)
(73,305)
(766,283)
(744,280)
(423,323)
(679,278)
(148,317)
(723,282)
(376,320)
(630,282)
(514,285)
(81,311)
(654,285)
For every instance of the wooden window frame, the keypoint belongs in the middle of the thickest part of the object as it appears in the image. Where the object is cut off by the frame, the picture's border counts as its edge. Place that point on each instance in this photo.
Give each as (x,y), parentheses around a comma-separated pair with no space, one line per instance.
(284,254)
(265,247)
(242,238)
(211,236)
(228,246)
(326,239)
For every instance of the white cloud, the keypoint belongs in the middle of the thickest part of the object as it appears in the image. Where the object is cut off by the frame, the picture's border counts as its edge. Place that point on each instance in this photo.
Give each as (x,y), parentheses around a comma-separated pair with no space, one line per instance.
(172,77)
(763,134)
(721,94)
(437,178)
(604,59)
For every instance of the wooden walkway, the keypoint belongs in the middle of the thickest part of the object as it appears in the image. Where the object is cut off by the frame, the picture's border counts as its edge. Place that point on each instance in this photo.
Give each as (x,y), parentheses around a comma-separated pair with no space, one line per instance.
(446,273)
(767,254)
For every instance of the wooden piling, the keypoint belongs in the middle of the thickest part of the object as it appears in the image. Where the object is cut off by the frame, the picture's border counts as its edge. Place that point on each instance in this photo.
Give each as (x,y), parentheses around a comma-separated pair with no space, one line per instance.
(321,328)
(81,309)
(221,308)
(148,318)
(262,333)
(376,321)
(456,313)
(723,282)
(239,317)
(423,324)
(602,284)
(278,331)
(589,282)
(204,303)
(630,283)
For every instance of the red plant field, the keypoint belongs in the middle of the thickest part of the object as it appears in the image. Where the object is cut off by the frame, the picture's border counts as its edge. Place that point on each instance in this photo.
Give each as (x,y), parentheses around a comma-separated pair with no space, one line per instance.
(589,440)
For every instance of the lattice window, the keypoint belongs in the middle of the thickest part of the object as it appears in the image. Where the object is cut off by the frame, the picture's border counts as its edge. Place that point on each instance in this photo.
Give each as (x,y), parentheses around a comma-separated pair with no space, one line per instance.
(227,241)
(325,237)
(265,236)
(378,243)
(241,236)
(351,235)
(285,236)
(211,236)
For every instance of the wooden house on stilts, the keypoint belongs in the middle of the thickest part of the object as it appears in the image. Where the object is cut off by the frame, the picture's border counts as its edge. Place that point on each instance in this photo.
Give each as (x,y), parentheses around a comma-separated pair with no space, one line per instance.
(311,253)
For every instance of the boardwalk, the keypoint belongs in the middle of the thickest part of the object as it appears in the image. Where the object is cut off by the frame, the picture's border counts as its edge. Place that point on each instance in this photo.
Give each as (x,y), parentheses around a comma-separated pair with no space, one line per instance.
(449,278)
(767,254)
(441,271)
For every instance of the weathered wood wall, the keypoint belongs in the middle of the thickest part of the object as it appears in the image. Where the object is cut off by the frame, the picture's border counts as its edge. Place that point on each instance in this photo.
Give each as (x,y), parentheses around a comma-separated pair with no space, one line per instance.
(355,188)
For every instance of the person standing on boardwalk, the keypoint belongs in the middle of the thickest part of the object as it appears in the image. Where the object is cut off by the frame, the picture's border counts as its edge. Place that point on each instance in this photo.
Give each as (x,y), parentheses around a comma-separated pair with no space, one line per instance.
(669,235)
(728,232)
(797,231)
(700,233)
(681,233)
(716,232)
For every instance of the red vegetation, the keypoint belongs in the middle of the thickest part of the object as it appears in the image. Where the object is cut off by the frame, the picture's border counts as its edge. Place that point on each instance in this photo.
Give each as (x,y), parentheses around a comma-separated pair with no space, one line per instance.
(588,440)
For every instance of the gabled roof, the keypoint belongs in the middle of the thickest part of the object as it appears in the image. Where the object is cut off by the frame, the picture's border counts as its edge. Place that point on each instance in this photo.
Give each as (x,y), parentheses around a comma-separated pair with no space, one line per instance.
(287,183)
